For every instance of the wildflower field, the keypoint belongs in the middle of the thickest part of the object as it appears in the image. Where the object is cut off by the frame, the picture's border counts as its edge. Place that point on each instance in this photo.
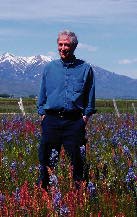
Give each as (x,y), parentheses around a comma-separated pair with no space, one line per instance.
(111,153)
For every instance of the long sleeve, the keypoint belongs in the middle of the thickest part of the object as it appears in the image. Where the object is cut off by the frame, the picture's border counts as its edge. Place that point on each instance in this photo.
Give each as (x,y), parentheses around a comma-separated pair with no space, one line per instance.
(90,94)
(42,97)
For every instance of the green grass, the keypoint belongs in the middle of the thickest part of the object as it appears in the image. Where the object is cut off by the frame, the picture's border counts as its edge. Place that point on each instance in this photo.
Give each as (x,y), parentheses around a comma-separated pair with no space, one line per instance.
(30,105)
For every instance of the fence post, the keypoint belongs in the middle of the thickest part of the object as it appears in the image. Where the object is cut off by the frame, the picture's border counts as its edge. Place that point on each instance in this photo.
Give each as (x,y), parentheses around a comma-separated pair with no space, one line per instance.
(116,108)
(20,103)
(134,109)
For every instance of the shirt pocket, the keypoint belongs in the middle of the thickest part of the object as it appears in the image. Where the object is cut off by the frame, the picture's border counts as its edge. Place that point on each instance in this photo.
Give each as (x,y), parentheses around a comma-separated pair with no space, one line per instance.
(78,87)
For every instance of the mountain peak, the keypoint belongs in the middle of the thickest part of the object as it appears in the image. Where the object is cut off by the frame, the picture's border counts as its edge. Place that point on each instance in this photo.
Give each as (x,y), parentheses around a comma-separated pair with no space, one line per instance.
(44,58)
(7,56)
(21,76)
(12,59)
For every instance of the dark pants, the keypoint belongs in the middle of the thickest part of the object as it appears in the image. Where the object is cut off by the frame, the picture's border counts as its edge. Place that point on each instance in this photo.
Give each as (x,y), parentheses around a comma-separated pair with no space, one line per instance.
(58,131)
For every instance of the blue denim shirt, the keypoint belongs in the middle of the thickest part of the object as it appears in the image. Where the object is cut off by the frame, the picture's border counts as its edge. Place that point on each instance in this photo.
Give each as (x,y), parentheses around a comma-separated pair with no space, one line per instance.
(68,86)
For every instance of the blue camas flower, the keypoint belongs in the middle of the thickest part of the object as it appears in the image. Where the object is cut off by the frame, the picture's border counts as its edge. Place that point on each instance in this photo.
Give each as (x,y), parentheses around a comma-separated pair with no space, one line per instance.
(131,178)
(64,211)
(56,199)
(83,151)
(126,151)
(92,189)
(54,157)
(13,165)
(53,180)
(130,175)
(17,194)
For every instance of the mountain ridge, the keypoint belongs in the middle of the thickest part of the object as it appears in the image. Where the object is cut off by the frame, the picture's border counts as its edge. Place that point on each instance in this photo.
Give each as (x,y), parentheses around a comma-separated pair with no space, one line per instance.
(21,76)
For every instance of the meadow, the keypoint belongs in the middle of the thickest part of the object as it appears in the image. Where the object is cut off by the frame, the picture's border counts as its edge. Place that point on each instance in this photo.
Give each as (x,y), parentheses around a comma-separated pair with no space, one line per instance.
(10,105)
(111,156)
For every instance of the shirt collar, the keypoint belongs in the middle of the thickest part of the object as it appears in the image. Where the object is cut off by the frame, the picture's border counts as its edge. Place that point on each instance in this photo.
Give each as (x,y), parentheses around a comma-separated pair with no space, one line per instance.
(71,62)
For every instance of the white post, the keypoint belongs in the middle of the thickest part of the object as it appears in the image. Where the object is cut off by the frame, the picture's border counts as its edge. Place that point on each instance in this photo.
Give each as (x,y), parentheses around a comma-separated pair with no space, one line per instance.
(116,108)
(20,103)
(133,105)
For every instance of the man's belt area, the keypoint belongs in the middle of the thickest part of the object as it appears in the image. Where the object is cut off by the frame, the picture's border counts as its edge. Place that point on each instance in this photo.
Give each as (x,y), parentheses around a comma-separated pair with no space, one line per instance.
(70,115)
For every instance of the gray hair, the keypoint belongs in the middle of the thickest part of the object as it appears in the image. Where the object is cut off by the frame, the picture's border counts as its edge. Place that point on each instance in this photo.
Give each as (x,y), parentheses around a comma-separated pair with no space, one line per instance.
(71,35)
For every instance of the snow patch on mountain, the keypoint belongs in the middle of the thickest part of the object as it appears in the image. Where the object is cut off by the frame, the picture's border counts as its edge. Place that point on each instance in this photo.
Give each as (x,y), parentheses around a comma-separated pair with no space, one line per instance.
(23,60)
(21,76)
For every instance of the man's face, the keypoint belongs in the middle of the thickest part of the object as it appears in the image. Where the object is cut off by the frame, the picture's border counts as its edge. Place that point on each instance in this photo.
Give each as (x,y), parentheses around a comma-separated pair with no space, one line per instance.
(65,48)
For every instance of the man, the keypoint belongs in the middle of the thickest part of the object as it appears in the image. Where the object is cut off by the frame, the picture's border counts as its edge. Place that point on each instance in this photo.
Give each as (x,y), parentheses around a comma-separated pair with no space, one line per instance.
(66,101)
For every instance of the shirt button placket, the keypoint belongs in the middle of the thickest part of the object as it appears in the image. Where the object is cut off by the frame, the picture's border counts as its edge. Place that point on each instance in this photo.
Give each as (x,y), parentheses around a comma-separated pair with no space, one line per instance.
(66,87)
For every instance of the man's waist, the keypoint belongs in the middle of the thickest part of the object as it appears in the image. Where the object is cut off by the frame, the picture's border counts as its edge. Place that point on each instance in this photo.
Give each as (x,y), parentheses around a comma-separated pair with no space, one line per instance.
(72,114)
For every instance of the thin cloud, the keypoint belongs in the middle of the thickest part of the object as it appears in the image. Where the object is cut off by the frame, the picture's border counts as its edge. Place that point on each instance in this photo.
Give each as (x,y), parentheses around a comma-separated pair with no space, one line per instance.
(87,47)
(127,61)
(44,9)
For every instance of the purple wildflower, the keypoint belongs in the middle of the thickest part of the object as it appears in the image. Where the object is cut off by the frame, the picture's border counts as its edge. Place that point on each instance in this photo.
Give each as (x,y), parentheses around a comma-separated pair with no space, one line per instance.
(2,198)
(56,199)
(53,180)
(1,146)
(54,157)
(8,138)
(126,150)
(130,175)
(28,150)
(92,189)
(64,210)
(116,159)
(17,194)
(130,179)
(83,151)
(13,165)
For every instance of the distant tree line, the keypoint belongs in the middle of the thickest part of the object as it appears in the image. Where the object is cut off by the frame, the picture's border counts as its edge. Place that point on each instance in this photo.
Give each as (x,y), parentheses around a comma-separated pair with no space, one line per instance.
(5,95)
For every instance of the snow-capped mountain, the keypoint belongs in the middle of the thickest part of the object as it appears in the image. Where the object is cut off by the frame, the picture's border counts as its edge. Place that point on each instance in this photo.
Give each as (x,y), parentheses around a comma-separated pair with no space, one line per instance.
(21,76)
(13,66)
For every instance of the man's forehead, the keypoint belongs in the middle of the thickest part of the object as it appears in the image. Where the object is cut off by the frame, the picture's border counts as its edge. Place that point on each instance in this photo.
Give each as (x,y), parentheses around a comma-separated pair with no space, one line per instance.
(64,38)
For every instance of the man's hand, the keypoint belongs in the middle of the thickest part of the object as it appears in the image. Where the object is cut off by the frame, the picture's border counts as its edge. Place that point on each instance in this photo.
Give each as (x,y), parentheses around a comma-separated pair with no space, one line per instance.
(85,118)
(42,117)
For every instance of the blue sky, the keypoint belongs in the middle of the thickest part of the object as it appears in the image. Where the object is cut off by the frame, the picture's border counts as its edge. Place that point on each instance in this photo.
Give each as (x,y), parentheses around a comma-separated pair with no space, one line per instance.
(106,30)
